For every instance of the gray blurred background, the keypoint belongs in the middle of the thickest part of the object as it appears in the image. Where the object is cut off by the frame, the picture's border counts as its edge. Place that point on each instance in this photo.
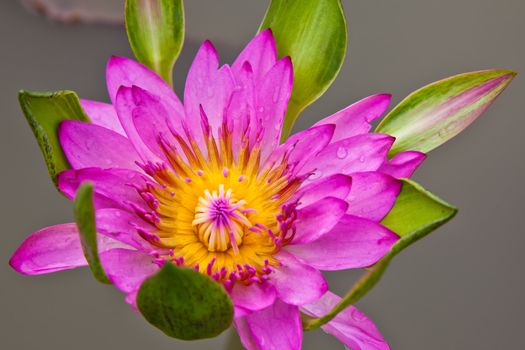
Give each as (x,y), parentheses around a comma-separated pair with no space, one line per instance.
(460,288)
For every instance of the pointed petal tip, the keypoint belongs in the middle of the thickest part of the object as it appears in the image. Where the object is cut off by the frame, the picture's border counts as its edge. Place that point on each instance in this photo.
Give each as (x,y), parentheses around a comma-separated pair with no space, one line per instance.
(16,263)
(511,73)
(287,60)
(381,95)
(267,35)
(266,32)
(116,60)
(247,67)
(208,47)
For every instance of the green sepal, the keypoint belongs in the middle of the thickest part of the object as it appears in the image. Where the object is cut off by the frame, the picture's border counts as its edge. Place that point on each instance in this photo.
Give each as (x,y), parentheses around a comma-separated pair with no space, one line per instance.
(85,219)
(156,33)
(185,304)
(437,112)
(313,33)
(44,111)
(416,213)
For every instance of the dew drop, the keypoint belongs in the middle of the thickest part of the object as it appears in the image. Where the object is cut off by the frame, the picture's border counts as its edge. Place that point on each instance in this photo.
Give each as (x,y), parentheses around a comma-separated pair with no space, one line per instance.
(261,109)
(342,153)
(362,159)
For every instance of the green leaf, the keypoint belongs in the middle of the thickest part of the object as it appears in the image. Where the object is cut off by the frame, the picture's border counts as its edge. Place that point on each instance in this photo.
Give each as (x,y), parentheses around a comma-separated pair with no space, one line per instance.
(415,214)
(85,219)
(415,210)
(156,33)
(44,112)
(434,114)
(313,33)
(185,304)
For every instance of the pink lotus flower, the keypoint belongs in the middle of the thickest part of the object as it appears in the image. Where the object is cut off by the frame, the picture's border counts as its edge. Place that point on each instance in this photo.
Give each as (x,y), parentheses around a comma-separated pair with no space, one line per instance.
(206,184)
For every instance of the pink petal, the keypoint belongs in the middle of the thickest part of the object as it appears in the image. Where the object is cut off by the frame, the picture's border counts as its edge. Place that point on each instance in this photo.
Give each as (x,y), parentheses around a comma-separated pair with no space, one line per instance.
(351,326)
(353,243)
(295,282)
(303,146)
(356,154)
(132,104)
(102,114)
(277,327)
(54,248)
(124,227)
(318,218)
(355,119)
(336,186)
(373,194)
(127,269)
(89,145)
(122,71)
(151,119)
(241,110)
(273,94)
(261,54)
(116,185)
(207,86)
(253,297)
(403,164)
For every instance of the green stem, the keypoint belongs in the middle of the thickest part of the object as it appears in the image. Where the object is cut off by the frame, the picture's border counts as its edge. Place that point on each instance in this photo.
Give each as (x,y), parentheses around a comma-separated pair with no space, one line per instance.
(362,287)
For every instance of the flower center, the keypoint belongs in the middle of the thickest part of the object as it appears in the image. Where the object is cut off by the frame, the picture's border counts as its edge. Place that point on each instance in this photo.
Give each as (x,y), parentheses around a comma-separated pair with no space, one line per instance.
(222,211)
(220,220)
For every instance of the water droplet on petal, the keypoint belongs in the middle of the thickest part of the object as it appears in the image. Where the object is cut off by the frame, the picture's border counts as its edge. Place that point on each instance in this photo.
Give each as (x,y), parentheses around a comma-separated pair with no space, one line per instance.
(261,109)
(362,159)
(342,153)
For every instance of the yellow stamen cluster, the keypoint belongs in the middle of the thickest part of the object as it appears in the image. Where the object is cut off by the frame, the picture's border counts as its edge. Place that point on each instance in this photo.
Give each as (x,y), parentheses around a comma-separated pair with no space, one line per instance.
(217,211)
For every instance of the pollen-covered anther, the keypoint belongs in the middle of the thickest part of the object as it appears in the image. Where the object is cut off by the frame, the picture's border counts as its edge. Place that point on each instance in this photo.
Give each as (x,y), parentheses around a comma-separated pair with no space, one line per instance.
(220,220)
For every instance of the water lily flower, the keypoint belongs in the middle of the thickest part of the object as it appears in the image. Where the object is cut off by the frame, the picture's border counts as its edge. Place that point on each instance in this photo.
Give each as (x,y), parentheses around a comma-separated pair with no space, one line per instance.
(207,185)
